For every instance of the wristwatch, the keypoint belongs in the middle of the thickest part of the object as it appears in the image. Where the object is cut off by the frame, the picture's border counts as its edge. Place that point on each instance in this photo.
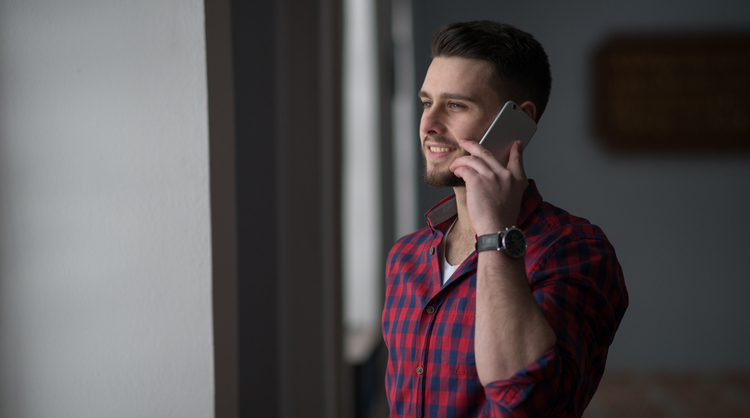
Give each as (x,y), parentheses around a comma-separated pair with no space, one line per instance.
(511,241)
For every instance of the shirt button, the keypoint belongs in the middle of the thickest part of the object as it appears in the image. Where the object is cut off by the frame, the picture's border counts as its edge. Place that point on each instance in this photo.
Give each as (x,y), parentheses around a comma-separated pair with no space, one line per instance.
(432,250)
(420,370)
(430,310)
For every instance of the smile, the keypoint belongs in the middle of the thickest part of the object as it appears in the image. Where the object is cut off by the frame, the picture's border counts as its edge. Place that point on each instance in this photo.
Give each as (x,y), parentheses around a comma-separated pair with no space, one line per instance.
(440,149)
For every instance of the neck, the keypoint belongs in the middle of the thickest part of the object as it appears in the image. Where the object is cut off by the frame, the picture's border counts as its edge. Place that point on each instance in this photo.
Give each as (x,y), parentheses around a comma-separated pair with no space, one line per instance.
(460,241)
(463,223)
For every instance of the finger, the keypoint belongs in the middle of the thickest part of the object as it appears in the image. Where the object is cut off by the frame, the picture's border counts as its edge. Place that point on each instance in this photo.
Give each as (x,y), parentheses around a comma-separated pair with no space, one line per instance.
(473,163)
(478,151)
(468,175)
(473,148)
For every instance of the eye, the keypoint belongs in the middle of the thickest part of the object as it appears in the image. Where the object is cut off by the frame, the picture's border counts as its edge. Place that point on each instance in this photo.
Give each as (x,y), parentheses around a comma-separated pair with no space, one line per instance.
(454,105)
(425,104)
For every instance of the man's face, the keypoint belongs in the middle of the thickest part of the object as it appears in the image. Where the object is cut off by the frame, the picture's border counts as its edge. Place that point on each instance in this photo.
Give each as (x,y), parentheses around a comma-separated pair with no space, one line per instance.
(457,103)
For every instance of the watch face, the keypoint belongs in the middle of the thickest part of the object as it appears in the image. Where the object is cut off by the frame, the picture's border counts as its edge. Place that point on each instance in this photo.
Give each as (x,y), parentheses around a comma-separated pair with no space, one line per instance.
(514,243)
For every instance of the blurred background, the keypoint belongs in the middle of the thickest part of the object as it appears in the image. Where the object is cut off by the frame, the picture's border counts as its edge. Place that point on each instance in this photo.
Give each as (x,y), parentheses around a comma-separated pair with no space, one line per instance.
(196,201)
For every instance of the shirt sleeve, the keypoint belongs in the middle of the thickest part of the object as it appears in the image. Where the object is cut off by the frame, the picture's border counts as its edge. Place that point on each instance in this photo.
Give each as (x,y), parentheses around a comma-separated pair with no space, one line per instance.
(579,287)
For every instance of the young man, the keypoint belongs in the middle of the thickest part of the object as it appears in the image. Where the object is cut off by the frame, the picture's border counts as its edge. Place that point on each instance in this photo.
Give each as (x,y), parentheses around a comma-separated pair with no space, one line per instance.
(473,330)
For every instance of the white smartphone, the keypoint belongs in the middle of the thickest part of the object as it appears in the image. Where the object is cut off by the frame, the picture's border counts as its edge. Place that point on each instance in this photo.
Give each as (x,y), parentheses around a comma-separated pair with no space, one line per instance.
(511,124)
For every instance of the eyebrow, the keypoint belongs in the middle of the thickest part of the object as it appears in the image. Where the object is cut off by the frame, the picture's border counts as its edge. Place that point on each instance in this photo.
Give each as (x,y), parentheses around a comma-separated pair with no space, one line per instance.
(449,96)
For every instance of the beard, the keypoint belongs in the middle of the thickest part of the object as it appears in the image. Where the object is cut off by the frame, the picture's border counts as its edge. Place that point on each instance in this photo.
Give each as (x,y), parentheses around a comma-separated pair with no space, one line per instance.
(439,179)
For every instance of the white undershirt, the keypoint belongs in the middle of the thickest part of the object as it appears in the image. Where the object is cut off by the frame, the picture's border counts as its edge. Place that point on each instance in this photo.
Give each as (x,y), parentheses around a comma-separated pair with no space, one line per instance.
(447,270)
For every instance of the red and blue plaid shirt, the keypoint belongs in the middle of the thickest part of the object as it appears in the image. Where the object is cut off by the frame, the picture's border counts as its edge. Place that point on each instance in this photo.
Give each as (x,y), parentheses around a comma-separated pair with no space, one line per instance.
(429,327)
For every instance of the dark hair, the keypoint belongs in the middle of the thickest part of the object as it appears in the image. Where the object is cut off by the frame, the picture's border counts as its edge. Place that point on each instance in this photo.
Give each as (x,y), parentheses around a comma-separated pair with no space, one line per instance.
(521,65)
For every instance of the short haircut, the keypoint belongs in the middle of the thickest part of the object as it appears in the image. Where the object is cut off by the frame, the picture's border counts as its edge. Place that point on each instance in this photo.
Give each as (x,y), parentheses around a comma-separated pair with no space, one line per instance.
(522,70)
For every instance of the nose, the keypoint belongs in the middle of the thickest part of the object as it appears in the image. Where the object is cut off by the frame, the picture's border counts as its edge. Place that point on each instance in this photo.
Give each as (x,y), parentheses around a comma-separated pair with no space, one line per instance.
(431,122)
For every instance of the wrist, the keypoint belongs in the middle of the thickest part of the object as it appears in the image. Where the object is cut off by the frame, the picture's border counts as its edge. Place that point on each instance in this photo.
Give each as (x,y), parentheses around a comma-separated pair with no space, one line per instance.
(491,228)
(510,241)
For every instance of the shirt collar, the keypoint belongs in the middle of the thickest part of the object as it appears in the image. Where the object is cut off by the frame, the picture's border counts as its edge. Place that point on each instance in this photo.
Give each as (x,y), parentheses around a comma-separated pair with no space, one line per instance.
(441,212)
(447,209)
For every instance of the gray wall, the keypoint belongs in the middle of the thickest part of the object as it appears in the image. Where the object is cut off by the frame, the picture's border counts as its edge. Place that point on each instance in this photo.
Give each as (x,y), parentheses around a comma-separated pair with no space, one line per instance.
(105,234)
(679,222)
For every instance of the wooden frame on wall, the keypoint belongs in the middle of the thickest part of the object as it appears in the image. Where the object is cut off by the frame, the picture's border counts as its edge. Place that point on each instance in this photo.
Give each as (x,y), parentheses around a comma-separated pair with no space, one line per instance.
(673,92)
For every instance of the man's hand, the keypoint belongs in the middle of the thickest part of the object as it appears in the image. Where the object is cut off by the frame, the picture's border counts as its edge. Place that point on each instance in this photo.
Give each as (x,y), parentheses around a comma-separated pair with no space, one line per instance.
(493,192)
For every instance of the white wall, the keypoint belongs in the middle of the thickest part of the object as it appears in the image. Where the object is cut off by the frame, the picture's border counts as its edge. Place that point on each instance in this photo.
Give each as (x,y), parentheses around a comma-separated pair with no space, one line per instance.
(679,222)
(361,158)
(105,257)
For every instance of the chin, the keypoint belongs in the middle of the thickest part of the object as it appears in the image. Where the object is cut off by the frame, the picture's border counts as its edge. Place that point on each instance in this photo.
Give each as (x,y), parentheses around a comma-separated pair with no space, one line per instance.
(441,180)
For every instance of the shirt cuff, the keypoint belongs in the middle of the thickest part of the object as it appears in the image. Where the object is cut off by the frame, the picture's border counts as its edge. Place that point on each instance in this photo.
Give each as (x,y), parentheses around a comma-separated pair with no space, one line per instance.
(510,393)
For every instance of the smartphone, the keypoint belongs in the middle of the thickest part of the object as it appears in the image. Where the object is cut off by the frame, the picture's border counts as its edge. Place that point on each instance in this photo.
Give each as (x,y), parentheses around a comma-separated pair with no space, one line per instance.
(511,124)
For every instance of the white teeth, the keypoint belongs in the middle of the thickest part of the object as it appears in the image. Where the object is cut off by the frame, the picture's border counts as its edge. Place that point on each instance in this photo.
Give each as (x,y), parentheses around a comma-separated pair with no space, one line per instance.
(439,149)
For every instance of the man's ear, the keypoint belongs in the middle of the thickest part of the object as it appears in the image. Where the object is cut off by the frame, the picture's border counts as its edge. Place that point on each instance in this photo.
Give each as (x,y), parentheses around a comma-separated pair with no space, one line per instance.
(530,108)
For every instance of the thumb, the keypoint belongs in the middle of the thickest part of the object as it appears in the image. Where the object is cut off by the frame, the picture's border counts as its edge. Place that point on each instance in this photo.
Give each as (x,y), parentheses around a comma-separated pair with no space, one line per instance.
(515,160)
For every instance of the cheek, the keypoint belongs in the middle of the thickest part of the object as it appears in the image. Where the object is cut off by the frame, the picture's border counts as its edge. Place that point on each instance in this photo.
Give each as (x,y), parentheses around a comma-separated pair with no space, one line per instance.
(480,127)
(470,131)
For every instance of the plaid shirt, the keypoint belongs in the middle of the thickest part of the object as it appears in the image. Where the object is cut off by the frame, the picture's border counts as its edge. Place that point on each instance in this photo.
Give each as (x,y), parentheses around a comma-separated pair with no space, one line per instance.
(429,328)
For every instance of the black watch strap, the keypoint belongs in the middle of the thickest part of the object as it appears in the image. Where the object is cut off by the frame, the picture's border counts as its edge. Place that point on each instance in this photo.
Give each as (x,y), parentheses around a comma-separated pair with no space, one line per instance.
(489,242)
